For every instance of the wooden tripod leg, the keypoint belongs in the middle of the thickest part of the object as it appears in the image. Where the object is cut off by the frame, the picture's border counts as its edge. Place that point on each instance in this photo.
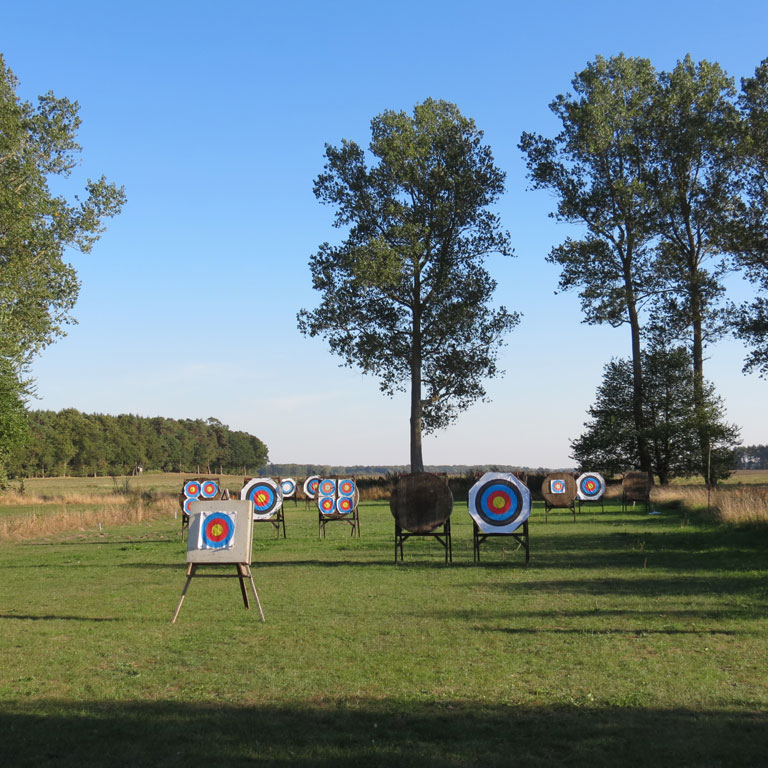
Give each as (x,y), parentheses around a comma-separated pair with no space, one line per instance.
(190,573)
(247,569)
(242,573)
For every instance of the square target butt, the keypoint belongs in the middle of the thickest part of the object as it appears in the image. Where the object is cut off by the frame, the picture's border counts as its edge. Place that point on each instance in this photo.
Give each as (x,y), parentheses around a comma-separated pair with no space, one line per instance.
(220,532)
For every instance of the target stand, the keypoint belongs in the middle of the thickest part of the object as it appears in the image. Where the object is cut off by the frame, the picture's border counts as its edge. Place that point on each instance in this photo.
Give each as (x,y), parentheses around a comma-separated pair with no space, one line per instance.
(198,489)
(421,504)
(590,488)
(220,533)
(559,492)
(267,497)
(500,505)
(338,500)
(636,487)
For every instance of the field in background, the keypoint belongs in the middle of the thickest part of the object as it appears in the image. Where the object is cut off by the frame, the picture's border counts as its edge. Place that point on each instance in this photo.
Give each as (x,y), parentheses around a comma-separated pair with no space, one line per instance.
(631,639)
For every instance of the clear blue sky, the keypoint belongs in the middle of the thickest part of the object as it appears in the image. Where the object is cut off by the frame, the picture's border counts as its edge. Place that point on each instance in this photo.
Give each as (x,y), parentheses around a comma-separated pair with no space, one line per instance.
(214,117)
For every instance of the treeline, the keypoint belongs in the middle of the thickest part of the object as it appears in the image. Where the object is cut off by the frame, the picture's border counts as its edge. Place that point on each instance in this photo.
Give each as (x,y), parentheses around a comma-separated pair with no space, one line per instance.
(69,442)
(326,470)
(752,456)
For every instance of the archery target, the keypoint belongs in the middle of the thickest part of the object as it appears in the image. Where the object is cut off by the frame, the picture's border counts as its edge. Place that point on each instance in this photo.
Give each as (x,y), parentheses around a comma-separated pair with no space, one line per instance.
(192,489)
(266,496)
(499,502)
(217,530)
(209,489)
(346,488)
(310,486)
(327,488)
(590,486)
(288,487)
(326,504)
(344,505)
(185,505)
(557,486)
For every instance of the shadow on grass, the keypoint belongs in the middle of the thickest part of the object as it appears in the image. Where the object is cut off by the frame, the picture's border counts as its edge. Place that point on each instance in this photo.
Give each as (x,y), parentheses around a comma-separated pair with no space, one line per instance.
(53,617)
(388,733)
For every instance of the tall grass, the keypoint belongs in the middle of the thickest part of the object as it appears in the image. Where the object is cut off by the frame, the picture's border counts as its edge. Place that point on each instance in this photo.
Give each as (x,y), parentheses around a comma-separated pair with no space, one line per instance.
(735,505)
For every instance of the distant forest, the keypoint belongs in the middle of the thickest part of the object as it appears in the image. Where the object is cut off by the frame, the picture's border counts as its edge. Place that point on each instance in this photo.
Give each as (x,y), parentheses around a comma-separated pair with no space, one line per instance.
(73,443)
(752,457)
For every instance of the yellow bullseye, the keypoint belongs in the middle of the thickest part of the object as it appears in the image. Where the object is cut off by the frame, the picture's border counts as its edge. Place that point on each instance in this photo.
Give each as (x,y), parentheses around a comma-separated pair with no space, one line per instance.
(217,529)
(498,502)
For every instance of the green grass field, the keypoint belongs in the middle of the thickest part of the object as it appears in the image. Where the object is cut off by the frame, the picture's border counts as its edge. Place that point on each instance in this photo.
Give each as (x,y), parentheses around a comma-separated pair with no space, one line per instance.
(631,639)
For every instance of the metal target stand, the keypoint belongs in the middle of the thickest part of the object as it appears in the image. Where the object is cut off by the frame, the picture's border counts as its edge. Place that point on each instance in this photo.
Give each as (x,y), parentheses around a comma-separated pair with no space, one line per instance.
(548,507)
(479,537)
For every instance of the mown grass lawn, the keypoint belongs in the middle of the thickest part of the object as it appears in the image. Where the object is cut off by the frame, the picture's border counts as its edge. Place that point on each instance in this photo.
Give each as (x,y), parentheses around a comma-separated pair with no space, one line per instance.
(629,640)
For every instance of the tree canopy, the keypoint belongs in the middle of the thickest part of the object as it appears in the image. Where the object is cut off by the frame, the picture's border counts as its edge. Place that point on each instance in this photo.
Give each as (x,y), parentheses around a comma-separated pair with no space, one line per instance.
(406,296)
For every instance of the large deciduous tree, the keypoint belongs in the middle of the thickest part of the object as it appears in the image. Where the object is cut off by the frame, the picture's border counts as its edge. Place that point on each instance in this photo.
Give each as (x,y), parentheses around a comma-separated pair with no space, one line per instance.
(597,168)
(406,296)
(38,287)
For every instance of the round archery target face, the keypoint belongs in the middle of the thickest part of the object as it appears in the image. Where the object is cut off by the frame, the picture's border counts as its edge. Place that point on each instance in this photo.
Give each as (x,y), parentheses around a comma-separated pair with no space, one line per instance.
(192,489)
(557,486)
(590,486)
(209,488)
(288,486)
(265,496)
(186,504)
(217,530)
(310,486)
(327,488)
(346,488)
(344,505)
(499,502)
(326,505)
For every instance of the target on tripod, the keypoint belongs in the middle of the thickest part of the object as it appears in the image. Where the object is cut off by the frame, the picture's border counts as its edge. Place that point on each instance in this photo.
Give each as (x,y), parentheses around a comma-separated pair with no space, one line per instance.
(310,486)
(344,505)
(217,530)
(192,489)
(327,488)
(557,486)
(590,486)
(209,489)
(326,504)
(346,488)
(499,502)
(265,495)
(288,487)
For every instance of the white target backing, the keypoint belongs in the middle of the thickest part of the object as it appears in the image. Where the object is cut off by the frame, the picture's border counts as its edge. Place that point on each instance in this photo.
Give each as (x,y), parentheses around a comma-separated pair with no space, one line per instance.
(266,496)
(590,486)
(499,502)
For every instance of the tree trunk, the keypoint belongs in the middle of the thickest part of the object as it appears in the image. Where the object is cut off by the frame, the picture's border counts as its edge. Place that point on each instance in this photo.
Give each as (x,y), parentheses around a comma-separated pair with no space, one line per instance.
(699,404)
(417,460)
(638,400)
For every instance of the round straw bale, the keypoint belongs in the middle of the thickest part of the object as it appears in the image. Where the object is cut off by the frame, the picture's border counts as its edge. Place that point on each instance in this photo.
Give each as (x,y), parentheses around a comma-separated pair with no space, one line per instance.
(421,502)
(564,499)
(636,486)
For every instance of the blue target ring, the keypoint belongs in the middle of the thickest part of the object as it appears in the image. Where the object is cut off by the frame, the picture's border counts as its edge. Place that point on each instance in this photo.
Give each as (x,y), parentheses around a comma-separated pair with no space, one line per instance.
(288,487)
(591,486)
(346,488)
(185,506)
(217,530)
(209,488)
(327,488)
(344,505)
(499,502)
(326,504)
(310,486)
(192,489)
(263,497)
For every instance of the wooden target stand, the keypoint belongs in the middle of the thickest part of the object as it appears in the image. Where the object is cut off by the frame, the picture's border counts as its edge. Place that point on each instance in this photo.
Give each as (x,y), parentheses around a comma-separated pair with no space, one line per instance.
(636,487)
(238,554)
(522,537)
(421,504)
(352,518)
(559,499)
(278,519)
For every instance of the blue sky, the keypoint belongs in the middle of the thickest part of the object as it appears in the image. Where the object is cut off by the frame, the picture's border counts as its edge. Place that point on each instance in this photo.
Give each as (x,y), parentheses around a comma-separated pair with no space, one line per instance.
(214,117)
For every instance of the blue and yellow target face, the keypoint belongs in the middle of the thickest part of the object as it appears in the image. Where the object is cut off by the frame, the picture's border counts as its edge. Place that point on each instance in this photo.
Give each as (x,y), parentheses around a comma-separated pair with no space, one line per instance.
(346,488)
(209,489)
(498,502)
(192,489)
(288,486)
(590,486)
(344,505)
(263,497)
(326,504)
(185,506)
(217,530)
(327,488)
(310,486)
(557,486)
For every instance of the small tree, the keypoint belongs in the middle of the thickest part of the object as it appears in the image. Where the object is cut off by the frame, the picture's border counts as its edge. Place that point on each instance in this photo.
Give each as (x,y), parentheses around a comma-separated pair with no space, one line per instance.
(406,296)
(672,422)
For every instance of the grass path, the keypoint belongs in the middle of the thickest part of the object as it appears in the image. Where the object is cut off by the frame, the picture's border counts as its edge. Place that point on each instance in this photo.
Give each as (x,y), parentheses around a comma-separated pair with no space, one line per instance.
(629,640)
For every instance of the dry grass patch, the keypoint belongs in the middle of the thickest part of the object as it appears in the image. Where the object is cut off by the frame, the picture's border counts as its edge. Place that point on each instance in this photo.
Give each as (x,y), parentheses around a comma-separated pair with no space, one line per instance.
(735,505)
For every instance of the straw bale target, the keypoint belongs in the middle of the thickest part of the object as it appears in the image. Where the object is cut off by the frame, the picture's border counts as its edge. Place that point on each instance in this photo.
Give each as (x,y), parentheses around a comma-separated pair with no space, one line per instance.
(421,502)
(559,490)
(636,486)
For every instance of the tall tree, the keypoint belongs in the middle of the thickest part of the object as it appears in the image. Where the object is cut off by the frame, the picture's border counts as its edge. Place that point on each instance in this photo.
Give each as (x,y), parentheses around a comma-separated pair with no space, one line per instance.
(406,296)
(695,126)
(597,168)
(672,425)
(750,228)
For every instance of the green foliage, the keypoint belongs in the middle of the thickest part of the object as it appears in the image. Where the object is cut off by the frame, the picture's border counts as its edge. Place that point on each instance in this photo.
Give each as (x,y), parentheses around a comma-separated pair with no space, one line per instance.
(13,416)
(74,443)
(406,297)
(672,426)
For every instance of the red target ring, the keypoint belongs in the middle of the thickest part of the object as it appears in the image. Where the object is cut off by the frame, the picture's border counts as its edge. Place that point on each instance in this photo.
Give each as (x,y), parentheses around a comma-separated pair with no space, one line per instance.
(326,505)
(209,488)
(346,487)
(192,489)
